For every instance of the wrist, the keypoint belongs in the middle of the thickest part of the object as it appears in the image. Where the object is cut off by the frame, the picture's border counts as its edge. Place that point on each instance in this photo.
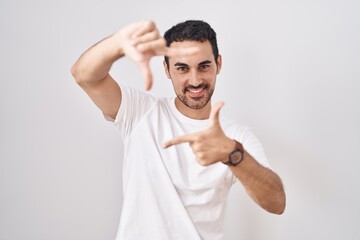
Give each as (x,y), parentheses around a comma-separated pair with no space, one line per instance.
(236,155)
(118,41)
(228,148)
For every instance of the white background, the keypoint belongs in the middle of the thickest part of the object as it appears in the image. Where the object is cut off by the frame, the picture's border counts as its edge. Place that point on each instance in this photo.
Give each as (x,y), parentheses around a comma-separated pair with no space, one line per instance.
(291,71)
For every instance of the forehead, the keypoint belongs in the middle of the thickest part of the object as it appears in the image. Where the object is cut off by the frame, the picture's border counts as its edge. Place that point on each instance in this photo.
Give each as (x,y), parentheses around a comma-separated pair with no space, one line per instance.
(204,53)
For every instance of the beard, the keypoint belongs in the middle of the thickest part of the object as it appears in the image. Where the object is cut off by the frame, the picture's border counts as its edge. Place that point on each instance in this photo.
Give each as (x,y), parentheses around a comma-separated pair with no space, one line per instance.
(196,102)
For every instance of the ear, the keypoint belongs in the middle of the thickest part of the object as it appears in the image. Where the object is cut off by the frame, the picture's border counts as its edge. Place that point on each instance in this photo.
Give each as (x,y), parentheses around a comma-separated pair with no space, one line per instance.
(166,70)
(219,64)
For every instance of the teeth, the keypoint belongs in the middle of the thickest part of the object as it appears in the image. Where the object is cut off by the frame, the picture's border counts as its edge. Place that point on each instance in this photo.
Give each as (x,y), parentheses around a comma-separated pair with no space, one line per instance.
(195,90)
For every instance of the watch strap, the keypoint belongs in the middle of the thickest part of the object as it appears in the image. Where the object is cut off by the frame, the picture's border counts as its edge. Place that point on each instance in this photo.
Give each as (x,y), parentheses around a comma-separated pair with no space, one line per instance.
(239,150)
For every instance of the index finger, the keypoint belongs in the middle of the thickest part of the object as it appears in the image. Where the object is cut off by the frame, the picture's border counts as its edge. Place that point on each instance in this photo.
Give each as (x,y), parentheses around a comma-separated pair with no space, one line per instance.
(144,27)
(179,51)
(178,140)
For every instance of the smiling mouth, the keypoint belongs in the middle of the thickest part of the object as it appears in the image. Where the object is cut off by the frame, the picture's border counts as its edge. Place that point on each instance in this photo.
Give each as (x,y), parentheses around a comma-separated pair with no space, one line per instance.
(197,89)
(196,92)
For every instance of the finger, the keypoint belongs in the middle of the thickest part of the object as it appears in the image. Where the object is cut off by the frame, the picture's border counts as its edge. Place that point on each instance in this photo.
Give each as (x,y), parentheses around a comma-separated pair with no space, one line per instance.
(180,52)
(145,27)
(150,36)
(156,46)
(145,69)
(214,114)
(179,140)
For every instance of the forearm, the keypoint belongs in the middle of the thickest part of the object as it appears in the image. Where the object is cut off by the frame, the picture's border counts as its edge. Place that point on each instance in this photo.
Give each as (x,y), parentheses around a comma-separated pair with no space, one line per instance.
(263,185)
(95,63)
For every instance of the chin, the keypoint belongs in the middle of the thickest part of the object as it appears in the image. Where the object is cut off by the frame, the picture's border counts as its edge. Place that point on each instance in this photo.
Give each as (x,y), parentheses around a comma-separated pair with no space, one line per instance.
(196,104)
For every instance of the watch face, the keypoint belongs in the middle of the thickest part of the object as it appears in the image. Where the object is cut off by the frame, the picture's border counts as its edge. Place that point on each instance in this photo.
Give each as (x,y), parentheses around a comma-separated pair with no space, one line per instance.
(236,157)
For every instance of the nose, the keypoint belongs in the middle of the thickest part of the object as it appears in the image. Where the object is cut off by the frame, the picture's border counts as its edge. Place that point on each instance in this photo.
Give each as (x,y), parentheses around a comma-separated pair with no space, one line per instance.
(195,78)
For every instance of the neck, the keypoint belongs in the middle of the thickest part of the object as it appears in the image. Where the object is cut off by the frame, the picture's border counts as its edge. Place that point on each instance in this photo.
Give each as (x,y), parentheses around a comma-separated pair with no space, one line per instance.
(198,114)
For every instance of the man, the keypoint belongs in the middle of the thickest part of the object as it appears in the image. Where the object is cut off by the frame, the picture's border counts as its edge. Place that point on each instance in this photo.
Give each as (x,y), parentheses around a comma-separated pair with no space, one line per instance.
(180,158)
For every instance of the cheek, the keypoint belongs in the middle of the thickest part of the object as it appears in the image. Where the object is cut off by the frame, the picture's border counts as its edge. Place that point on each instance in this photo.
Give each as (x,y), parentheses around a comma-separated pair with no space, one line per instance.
(209,76)
(177,82)
(178,75)
(178,79)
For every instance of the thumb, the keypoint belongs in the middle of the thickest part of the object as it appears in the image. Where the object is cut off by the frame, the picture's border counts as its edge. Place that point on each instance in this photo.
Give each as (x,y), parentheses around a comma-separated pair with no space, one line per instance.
(145,69)
(214,114)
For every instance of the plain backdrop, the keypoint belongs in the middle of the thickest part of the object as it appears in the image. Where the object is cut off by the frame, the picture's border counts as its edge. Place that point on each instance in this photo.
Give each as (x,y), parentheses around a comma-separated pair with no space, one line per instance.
(291,71)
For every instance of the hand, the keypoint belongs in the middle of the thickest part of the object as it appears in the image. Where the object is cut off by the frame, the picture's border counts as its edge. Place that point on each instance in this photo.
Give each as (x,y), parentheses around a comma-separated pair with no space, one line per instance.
(210,145)
(141,41)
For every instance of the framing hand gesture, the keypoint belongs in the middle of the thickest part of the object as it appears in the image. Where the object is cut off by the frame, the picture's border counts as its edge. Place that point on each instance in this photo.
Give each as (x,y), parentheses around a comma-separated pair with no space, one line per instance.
(210,145)
(141,41)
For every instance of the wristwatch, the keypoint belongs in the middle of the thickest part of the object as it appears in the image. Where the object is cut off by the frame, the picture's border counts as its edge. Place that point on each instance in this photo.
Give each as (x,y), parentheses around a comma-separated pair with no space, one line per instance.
(236,156)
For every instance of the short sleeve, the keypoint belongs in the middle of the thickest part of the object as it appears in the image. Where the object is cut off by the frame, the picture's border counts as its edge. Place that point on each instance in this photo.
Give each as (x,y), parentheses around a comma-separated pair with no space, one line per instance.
(254,147)
(250,142)
(134,106)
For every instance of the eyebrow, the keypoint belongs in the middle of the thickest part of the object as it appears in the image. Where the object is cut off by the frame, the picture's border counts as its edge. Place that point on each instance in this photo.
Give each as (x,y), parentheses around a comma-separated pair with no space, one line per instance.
(205,62)
(180,64)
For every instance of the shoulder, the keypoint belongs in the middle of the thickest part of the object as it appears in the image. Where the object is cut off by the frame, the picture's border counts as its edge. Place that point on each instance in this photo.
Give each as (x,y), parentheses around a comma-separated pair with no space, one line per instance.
(233,128)
(134,93)
(247,138)
(240,132)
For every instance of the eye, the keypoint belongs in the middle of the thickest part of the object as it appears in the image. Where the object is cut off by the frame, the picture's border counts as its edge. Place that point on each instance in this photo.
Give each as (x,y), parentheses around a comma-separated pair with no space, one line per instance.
(204,67)
(182,69)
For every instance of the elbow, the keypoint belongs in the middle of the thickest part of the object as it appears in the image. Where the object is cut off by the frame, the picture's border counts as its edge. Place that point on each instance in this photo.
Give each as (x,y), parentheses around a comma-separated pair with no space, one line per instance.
(278,205)
(83,76)
(279,210)
(76,73)
(282,207)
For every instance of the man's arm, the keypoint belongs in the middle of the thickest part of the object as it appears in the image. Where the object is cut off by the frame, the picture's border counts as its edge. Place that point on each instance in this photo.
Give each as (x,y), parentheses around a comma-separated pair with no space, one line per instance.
(138,41)
(91,72)
(263,185)
(212,145)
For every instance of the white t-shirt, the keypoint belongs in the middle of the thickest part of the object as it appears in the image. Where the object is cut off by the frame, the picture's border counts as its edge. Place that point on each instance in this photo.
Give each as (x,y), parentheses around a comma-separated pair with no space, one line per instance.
(167,194)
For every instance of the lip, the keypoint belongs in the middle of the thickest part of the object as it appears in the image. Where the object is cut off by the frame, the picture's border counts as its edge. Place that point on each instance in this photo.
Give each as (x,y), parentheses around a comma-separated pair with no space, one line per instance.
(196,93)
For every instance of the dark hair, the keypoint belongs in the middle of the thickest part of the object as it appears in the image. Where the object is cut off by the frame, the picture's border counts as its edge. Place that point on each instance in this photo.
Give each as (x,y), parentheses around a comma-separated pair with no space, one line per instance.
(192,30)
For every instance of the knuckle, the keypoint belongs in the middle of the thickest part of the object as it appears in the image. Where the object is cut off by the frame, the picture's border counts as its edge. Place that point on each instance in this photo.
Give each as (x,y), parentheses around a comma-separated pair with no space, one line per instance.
(153,35)
(150,24)
(162,41)
(198,138)
(202,137)
(202,162)
(201,158)
(156,32)
(201,155)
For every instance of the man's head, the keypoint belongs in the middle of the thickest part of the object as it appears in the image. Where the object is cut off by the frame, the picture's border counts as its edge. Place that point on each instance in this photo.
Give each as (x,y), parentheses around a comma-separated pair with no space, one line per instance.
(193,76)
(192,30)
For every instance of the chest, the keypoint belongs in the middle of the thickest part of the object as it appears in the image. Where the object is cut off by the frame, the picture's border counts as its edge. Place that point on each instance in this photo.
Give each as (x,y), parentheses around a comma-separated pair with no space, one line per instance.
(177,164)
